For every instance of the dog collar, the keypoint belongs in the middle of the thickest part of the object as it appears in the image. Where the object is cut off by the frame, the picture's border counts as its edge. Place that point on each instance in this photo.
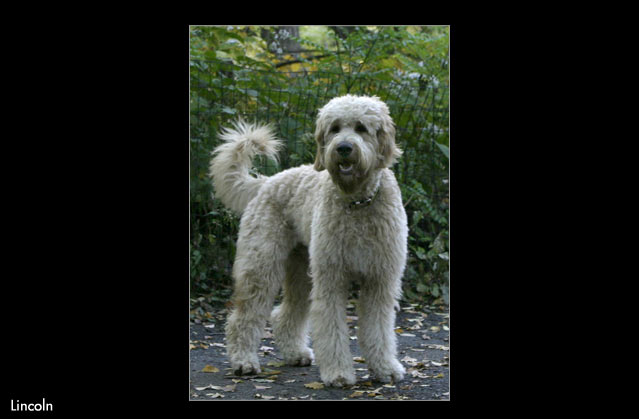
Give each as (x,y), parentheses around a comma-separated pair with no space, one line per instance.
(364,202)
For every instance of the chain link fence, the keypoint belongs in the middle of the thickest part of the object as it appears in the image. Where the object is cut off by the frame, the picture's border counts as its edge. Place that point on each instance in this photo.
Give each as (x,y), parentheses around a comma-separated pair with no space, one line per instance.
(221,92)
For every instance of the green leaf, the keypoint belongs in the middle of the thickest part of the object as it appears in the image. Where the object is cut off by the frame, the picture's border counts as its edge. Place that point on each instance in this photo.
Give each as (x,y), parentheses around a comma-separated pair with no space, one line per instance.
(228,110)
(444,150)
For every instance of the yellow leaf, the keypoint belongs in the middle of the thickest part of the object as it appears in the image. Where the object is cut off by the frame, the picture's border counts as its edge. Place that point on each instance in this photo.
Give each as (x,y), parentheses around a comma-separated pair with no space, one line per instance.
(440,375)
(210,368)
(356,394)
(276,364)
(316,385)
(358,359)
(267,371)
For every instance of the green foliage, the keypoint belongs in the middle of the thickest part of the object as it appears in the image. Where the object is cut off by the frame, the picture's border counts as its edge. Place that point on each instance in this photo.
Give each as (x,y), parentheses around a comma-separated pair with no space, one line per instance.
(245,72)
(427,271)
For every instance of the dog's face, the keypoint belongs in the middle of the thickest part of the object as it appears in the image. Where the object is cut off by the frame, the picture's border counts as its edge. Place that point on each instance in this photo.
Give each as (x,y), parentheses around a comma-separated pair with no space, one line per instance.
(355,136)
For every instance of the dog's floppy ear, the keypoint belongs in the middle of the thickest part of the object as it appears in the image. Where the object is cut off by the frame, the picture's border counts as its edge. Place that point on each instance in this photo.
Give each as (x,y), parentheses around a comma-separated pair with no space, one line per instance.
(388,151)
(319,139)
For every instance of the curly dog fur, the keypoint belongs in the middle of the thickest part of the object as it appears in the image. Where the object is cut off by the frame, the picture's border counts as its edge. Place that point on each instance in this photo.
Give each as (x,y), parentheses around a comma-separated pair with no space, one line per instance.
(312,230)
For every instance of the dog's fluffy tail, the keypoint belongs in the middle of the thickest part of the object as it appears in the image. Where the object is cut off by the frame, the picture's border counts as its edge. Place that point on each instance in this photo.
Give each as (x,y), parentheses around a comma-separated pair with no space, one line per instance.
(231,162)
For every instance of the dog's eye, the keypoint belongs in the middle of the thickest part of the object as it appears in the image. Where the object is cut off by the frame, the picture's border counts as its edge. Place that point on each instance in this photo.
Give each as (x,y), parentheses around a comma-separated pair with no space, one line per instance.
(360,128)
(335,129)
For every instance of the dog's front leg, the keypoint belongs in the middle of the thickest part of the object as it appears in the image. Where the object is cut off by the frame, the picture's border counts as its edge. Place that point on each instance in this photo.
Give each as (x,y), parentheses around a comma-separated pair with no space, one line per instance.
(376,335)
(329,329)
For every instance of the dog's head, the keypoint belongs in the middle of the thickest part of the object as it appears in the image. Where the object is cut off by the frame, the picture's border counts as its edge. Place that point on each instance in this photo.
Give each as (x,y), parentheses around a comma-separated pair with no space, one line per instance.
(355,136)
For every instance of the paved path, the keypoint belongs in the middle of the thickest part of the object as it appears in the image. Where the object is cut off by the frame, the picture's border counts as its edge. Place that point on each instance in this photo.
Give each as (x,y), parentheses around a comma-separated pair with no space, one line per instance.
(423,349)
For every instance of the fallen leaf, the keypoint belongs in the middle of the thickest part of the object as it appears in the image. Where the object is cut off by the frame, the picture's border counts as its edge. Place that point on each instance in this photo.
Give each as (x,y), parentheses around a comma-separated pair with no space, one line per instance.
(276,364)
(215,395)
(267,371)
(408,360)
(262,380)
(438,364)
(376,392)
(357,394)
(210,368)
(399,330)
(417,374)
(268,397)
(358,359)
(314,385)
(434,329)
(417,350)
(435,346)
(440,375)
(261,387)
(408,335)
(289,381)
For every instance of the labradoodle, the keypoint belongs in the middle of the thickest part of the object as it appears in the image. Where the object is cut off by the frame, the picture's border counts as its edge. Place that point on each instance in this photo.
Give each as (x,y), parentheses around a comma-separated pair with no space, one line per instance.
(312,230)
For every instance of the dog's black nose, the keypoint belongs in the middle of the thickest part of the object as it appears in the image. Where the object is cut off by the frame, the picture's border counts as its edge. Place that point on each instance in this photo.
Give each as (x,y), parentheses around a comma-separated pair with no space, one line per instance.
(344,149)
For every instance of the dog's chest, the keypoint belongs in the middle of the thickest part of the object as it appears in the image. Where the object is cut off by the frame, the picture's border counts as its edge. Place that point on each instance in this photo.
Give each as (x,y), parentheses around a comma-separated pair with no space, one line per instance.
(359,240)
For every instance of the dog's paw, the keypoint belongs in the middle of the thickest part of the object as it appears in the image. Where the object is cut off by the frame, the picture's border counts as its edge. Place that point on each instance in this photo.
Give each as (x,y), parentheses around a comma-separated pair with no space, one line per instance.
(392,372)
(246,368)
(341,379)
(302,359)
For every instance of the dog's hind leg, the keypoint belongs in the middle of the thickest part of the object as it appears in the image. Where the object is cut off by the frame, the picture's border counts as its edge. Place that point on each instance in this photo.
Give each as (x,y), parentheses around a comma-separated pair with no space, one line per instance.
(259,270)
(290,319)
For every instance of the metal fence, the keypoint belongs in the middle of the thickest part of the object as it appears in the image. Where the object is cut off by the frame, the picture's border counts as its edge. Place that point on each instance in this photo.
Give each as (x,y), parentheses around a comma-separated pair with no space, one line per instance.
(290,101)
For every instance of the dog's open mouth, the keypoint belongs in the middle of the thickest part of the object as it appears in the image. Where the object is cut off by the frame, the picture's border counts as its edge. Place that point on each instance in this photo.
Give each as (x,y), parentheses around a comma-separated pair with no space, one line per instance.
(346,169)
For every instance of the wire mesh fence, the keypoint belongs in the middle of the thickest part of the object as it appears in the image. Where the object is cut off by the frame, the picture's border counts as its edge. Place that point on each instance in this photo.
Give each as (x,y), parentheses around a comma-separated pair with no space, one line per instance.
(221,92)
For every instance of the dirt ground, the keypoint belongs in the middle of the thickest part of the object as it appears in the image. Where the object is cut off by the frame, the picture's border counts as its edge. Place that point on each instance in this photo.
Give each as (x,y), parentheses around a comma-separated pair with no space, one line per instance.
(423,347)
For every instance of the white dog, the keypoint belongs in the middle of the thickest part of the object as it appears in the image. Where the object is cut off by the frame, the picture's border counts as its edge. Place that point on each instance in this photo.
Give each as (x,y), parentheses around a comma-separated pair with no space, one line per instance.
(342,217)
